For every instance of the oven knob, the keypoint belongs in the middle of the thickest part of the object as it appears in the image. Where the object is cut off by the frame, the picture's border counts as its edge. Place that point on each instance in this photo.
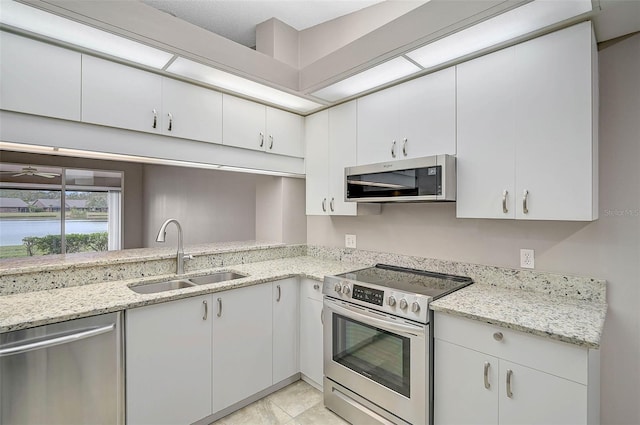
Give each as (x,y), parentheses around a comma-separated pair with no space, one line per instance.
(415,307)
(391,301)
(338,287)
(346,289)
(403,304)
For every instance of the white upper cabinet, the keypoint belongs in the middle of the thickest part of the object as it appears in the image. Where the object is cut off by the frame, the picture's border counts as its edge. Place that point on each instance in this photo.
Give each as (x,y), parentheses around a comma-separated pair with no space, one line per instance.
(527,130)
(254,126)
(38,78)
(411,120)
(331,146)
(191,112)
(120,96)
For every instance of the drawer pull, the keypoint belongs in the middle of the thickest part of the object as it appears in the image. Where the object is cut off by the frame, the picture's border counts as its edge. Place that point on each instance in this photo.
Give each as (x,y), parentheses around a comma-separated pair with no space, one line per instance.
(206,310)
(219,307)
(509,376)
(316,286)
(487,384)
(498,336)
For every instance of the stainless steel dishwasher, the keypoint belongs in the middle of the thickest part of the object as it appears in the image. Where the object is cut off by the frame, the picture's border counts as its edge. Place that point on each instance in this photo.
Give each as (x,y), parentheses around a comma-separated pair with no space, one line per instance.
(63,373)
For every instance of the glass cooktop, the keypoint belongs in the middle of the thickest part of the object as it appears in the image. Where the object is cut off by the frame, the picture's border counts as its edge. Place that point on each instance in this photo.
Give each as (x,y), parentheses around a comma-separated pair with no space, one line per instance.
(411,281)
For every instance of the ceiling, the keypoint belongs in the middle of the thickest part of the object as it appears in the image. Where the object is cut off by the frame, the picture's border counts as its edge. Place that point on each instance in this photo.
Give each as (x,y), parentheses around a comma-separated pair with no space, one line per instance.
(237,19)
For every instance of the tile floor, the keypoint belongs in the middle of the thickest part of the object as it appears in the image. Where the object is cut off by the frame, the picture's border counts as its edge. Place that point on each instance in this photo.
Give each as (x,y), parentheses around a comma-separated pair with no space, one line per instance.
(296,404)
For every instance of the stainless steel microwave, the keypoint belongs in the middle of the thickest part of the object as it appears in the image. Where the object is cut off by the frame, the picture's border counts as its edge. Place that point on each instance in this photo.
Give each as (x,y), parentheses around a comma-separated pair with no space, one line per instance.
(431,178)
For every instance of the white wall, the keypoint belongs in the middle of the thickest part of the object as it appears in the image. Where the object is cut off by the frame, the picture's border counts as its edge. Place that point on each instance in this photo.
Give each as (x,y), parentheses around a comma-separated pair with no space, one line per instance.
(608,248)
(211,206)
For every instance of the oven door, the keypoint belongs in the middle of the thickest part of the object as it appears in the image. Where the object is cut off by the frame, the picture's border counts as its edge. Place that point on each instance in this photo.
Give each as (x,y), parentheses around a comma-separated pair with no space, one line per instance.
(382,358)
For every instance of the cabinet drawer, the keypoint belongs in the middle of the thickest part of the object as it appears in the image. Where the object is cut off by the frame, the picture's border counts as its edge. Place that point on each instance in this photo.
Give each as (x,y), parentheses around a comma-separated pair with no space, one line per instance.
(557,358)
(310,288)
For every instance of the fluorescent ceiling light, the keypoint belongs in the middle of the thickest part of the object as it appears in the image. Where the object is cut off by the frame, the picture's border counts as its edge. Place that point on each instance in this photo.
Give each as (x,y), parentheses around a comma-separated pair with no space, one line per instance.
(215,77)
(371,78)
(514,23)
(47,24)
(77,153)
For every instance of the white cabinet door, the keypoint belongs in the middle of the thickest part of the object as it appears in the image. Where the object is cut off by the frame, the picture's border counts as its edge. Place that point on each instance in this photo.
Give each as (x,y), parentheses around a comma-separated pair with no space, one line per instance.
(342,153)
(377,127)
(526,126)
(555,156)
(317,162)
(168,360)
(486,137)
(38,78)
(243,123)
(285,329)
(120,96)
(284,133)
(242,338)
(539,398)
(191,112)
(311,331)
(459,382)
(427,115)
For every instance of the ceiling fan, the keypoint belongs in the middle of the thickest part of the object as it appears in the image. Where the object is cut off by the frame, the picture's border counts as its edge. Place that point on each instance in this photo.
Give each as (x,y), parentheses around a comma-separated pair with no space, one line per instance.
(31,171)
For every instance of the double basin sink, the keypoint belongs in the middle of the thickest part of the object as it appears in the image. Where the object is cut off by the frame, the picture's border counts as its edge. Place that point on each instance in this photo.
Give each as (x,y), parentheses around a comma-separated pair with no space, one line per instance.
(152,288)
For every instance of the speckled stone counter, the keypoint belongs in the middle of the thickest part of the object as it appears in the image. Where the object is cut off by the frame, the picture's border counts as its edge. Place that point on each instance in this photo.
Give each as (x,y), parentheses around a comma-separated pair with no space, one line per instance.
(26,310)
(566,308)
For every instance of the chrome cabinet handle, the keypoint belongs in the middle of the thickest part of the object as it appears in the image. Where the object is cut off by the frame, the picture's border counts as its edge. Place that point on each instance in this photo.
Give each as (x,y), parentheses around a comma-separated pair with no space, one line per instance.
(509,376)
(261,139)
(525,199)
(316,286)
(279,293)
(219,307)
(39,345)
(331,204)
(206,310)
(324,205)
(271,141)
(497,336)
(155,119)
(487,365)
(393,149)
(504,201)
(170,121)
(404,146)
(322,316)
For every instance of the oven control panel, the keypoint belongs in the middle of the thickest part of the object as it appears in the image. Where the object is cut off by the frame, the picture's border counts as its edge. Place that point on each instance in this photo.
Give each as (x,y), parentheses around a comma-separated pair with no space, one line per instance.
(372,296)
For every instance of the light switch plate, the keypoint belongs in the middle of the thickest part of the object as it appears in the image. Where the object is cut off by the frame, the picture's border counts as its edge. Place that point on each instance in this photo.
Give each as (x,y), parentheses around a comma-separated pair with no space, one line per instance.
(350,241)
(527,258)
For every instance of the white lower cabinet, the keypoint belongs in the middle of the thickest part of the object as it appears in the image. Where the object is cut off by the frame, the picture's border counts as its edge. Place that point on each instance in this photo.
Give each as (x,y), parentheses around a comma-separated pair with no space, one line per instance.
(285,329)
(168,362)
(311,331)
(243,338)
(507,377)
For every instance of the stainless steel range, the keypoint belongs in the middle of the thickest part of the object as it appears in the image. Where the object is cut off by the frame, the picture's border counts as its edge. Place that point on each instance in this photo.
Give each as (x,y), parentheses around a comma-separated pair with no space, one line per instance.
(378,346)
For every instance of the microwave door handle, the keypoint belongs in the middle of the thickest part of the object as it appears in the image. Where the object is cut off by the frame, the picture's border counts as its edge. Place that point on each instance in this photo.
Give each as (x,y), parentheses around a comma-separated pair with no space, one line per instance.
(406,330)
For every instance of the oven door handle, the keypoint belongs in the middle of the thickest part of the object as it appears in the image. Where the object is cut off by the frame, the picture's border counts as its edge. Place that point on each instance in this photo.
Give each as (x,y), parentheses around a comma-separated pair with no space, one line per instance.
(405,329)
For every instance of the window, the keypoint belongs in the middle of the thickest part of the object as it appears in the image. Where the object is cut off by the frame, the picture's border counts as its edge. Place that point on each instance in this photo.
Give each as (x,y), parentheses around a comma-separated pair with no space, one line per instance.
(52,210)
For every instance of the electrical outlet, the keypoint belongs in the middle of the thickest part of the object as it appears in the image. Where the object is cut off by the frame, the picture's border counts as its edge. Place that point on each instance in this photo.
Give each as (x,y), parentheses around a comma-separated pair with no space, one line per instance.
(527,258)
(350,241)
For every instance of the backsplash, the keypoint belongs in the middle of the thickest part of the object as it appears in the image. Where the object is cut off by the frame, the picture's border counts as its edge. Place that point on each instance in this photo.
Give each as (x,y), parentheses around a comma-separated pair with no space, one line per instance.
(556,285)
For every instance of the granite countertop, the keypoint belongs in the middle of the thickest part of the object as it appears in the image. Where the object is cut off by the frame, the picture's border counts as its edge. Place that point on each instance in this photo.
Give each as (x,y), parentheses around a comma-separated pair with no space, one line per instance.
(502,297)
(564,319)
(26,310)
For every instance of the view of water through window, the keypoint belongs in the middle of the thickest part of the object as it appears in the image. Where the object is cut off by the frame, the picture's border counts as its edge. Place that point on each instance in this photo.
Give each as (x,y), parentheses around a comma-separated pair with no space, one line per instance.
(35,220)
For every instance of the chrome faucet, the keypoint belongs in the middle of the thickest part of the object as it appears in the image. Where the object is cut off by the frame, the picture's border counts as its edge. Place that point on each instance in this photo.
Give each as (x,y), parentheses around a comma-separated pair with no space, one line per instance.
(180,255)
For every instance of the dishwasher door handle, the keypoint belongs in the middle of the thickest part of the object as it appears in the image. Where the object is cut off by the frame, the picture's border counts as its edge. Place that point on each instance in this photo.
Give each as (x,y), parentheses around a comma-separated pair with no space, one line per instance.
(76,336)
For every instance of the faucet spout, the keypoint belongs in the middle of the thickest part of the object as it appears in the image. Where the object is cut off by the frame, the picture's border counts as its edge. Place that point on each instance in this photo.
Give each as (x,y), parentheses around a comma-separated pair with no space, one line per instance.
(162,233)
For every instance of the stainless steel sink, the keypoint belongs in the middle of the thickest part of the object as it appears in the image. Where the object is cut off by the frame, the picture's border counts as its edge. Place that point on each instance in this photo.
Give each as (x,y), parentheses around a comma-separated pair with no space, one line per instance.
(216,277)
(152,288)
